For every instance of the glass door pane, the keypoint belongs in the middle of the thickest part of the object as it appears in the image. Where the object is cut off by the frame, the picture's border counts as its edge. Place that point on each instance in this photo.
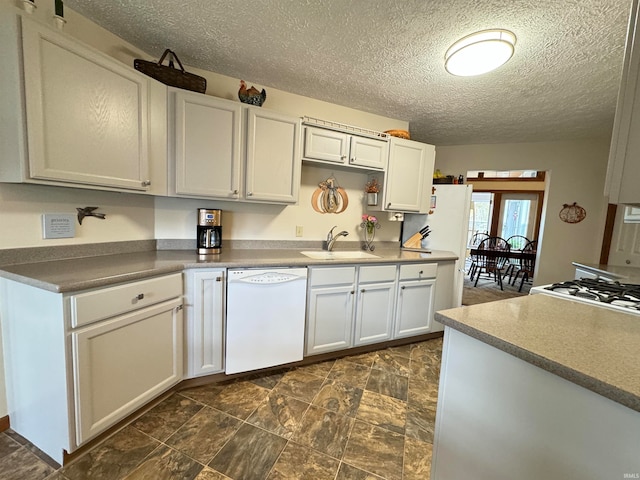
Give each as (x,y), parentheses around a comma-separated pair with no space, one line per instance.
(480,215)
(517,214)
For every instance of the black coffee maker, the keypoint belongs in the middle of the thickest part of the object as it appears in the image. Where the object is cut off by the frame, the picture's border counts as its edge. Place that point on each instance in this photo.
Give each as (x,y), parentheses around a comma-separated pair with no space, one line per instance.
(209,231)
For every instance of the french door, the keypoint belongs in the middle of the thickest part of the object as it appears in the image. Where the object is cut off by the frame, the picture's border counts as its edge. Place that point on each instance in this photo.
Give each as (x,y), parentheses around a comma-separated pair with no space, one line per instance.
(518,215)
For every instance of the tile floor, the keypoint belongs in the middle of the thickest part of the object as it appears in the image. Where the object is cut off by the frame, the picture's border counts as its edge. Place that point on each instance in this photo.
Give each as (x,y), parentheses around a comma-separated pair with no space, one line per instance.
(363,417)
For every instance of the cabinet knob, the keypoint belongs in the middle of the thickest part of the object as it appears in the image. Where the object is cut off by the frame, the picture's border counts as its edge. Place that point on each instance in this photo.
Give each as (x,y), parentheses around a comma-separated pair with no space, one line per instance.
(140,296)
(420,272)
(146,183)
(389,205)
(362,291)
(352,292)
(353,159)
(342,157)
(235,192)
(249,194)
(218,279)
(403,287)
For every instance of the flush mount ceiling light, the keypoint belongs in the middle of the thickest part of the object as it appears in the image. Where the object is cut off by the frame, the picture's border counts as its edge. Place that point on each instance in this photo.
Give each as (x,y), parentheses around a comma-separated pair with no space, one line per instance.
(479,52)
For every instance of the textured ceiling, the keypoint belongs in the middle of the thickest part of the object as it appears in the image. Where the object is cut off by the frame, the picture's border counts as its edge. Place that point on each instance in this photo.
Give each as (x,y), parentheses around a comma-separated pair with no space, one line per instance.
(386,57)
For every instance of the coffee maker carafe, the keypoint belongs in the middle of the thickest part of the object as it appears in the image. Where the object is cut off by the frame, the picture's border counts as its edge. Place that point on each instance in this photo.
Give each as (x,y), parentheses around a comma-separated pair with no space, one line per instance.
(209,231)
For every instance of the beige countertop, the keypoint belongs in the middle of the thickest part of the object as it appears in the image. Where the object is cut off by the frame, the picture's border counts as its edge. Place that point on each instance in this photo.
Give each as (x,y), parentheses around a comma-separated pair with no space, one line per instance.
(76,274)
(596,348)
(616,272)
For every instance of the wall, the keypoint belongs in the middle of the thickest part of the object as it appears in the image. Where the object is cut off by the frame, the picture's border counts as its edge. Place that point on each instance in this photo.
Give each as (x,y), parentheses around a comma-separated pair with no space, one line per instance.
(575,173)
(176,218)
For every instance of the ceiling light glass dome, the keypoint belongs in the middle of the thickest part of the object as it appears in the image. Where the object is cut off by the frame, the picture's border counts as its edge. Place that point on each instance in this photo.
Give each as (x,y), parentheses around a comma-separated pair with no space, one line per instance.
(480,52)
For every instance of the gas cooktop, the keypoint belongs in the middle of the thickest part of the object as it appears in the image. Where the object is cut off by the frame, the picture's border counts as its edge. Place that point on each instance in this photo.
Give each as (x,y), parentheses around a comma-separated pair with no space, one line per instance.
(605,293)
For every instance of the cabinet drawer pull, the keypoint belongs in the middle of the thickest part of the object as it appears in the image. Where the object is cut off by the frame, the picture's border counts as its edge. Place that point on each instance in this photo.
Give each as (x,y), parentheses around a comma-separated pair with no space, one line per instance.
(218,279)
(140,296)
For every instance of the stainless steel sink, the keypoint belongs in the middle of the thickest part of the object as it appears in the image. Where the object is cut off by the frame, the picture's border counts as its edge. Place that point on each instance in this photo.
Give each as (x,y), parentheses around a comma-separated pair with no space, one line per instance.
(340,255)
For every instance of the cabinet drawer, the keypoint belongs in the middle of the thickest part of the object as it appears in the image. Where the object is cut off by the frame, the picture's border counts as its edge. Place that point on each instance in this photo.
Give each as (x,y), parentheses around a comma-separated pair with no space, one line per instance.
(332,276)
(418,271)
(107,302)
(377,273)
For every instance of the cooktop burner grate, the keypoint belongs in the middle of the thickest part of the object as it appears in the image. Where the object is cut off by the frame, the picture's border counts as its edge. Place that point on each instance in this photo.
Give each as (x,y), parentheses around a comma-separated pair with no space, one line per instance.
(615,293)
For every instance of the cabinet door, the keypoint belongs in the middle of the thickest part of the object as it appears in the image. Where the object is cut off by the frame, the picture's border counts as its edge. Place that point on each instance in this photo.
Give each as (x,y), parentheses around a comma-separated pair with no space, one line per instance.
(414,308)
(205,145)
(407,180)
(374,312)
(122,363)
(369,152)
(86,113)
(273,157)
(204,309)
(623,169)
(329,319)
(325,145)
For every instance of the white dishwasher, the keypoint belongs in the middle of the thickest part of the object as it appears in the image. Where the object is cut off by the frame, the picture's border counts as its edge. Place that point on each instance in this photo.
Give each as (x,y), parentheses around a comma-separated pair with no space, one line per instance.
(265,317)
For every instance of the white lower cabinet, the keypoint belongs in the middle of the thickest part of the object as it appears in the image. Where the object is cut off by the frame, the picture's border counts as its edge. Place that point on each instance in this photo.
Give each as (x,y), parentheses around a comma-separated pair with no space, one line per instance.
(122,363)
(67,384)
(353,306)
(330,309)
(374,305)
(204,321)
(416,294)
(349,306)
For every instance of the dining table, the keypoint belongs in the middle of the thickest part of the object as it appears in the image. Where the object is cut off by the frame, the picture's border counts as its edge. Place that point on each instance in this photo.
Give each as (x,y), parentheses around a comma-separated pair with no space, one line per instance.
(526,257)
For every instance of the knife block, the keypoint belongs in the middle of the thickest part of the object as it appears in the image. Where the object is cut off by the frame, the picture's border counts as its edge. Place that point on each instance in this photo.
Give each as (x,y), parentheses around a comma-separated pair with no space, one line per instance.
(415,241)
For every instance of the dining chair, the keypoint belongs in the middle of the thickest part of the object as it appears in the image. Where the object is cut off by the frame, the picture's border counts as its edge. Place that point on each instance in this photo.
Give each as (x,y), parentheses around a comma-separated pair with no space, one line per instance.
(476,239)
(516,244)
(491,258)
(526,264)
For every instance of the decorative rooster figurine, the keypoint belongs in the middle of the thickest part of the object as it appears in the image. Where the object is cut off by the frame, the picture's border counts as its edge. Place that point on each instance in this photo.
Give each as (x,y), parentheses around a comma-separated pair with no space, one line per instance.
(251,96)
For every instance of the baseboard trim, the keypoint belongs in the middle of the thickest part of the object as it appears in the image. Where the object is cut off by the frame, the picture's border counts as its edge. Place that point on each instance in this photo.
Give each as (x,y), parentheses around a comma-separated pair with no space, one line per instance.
(4,423)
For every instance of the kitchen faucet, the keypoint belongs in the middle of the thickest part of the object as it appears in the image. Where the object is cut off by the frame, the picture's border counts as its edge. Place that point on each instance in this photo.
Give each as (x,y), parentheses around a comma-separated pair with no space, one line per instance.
(331,239)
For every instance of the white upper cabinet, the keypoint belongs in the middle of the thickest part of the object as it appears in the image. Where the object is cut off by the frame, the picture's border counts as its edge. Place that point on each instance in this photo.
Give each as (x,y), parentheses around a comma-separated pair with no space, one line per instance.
(325,145)
(204,138)
(329,146)
(222,149)
(407,186)
(624,158)
(369,153)
(84,116)
(273,161)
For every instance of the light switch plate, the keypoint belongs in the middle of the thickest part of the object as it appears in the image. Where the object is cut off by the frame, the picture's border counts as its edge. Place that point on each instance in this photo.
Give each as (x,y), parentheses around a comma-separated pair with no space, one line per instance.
(58,225)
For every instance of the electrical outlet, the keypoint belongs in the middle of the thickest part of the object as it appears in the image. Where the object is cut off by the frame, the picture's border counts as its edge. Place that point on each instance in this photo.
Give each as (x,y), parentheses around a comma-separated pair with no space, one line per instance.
(298,230)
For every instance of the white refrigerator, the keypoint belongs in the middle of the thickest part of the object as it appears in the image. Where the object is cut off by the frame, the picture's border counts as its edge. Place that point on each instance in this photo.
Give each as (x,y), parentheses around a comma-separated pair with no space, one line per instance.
(448,226)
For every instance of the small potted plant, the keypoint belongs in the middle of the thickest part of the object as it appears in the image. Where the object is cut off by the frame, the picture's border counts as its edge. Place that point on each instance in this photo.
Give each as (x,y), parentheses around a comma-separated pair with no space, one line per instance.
(372,188)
